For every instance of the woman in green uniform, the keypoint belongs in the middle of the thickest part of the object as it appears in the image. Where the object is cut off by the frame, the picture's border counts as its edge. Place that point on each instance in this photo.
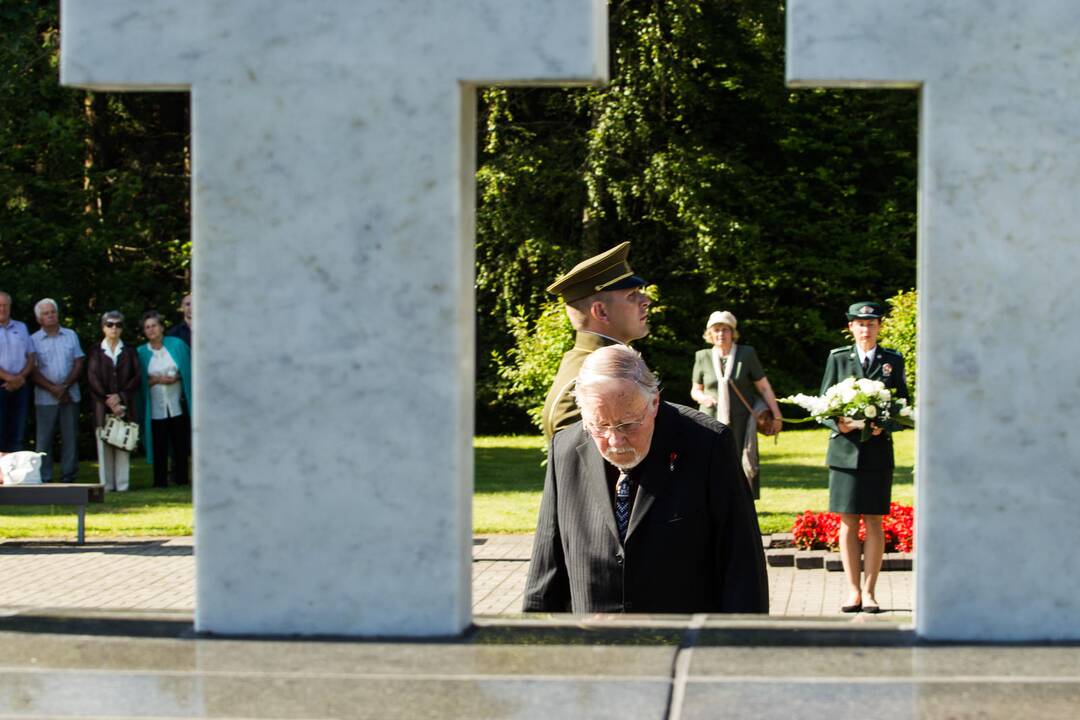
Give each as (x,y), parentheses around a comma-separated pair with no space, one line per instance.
(860,473)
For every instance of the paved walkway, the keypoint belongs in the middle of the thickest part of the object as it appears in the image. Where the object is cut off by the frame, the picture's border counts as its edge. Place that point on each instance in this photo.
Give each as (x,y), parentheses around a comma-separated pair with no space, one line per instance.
(158,574)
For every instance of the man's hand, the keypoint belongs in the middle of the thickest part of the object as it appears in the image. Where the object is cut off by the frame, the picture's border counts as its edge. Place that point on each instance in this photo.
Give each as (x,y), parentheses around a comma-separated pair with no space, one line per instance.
(16,382)
(875,430)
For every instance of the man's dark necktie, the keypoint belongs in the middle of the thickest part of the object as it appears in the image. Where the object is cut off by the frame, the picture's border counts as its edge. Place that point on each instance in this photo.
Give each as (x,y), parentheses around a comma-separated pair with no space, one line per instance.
(622,504)
(866,365)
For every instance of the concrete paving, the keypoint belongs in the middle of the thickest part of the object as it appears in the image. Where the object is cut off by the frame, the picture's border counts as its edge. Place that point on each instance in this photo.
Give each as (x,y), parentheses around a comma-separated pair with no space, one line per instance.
(150,574)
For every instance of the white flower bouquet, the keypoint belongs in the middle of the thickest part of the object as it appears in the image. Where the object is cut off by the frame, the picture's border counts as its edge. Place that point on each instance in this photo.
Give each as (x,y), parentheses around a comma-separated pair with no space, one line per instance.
(868,403)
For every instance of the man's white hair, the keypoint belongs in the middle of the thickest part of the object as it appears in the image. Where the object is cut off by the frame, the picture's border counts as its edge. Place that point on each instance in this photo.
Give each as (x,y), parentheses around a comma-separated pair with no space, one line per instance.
(614,363)
(42,303)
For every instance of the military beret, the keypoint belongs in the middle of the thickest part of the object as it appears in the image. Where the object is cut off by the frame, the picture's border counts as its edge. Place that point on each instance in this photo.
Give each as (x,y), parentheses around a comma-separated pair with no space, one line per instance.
(607,271)
(865,310)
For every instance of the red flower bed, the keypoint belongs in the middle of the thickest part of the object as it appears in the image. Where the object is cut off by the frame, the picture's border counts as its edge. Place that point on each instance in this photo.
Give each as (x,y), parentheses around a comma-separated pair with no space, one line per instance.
(821,531)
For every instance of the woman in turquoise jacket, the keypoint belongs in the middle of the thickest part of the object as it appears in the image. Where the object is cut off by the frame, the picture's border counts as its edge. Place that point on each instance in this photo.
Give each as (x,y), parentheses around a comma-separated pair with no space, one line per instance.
(166,400)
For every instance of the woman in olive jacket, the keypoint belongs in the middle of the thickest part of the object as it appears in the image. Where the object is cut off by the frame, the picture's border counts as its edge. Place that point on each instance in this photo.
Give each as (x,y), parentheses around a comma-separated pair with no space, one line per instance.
(112,373)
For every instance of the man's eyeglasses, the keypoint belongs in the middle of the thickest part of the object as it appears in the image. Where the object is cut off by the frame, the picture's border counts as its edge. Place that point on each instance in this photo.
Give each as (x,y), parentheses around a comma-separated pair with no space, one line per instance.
(626,428)
(113,323)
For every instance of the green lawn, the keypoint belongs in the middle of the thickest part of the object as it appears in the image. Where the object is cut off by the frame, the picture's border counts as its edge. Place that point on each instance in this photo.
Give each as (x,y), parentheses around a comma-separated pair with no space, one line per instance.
(145,511)
(509,480)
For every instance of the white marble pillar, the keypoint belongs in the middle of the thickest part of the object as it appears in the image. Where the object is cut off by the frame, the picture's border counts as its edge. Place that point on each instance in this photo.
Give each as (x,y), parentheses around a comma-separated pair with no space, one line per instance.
(998,467)
(333,272)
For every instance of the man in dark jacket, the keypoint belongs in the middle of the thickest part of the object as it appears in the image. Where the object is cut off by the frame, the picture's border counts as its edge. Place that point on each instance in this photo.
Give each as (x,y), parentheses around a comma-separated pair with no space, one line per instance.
(645,507)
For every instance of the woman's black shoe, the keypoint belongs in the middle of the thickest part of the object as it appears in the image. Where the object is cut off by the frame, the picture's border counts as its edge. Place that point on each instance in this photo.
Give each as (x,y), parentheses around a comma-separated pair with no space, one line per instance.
(851,608)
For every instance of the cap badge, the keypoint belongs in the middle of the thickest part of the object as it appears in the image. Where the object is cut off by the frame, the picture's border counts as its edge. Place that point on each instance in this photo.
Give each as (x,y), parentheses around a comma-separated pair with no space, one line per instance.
(866,310)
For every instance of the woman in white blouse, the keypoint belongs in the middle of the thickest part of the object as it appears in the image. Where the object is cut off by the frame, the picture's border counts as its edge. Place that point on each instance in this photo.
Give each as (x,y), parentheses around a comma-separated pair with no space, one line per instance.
(166,400)
(728,382)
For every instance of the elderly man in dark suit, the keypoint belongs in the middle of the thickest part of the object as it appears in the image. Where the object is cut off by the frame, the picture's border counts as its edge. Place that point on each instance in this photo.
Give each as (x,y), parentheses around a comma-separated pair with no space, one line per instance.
(645,507)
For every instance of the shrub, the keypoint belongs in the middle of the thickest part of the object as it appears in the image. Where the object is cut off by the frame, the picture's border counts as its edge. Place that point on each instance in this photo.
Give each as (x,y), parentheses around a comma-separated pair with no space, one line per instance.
(821,531)
(898,332)
(528,368)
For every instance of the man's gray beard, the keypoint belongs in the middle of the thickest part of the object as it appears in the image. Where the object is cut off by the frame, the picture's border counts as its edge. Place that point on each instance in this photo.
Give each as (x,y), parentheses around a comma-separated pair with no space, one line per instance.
(634,462)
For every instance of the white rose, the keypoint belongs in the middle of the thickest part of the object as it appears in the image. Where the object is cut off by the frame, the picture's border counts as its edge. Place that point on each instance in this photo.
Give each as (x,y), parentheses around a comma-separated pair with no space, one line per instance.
(870,411)
(905,411)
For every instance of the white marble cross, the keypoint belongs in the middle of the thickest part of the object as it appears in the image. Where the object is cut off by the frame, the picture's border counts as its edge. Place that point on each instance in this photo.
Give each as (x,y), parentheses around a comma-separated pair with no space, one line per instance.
(998,469)
(333,147)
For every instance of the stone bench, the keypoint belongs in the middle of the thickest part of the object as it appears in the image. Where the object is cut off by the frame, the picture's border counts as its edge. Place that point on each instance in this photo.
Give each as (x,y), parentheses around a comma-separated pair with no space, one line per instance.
(77,494)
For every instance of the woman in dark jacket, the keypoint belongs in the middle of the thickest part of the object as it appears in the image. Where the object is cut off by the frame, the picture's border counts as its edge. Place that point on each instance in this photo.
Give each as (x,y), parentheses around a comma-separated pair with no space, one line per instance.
(112,372)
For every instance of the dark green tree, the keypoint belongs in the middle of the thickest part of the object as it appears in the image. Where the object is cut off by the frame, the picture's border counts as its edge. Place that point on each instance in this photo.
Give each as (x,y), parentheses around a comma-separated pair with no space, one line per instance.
(95,186)
(737,192)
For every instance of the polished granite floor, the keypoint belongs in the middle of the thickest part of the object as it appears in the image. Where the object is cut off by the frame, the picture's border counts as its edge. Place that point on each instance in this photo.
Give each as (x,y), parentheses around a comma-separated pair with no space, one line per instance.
(128,665)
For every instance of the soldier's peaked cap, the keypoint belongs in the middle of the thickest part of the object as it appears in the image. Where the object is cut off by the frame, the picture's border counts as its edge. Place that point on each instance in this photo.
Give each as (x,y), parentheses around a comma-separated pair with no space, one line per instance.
(607,271)
(865,310)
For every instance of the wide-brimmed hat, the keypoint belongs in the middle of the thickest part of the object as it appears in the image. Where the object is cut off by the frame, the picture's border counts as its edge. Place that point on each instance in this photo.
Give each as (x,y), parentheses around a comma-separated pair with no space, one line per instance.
(866,310)
(607,271)
(722,317)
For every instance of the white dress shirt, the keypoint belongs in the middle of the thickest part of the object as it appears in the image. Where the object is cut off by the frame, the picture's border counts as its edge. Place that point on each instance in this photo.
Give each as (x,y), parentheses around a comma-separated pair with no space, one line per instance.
(868,354)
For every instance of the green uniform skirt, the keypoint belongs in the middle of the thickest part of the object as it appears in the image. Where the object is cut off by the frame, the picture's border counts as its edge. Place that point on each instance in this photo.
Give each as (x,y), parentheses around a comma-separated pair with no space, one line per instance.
(862,492)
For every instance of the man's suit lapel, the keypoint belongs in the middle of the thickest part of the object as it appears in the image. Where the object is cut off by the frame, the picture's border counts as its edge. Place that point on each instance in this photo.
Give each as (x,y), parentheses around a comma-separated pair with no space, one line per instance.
(656,470)
(596,490)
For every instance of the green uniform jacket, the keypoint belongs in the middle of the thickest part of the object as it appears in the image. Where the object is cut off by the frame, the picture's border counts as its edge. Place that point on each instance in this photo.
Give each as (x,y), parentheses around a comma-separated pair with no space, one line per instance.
(845,450)
(560,410)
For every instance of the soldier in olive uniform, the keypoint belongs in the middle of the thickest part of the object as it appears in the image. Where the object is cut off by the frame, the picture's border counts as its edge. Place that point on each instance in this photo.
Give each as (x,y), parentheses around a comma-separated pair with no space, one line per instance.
(606,306)
(860,473)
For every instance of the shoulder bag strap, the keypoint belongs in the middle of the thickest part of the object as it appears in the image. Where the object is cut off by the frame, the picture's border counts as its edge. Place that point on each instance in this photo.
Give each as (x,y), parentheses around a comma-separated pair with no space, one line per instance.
(739,393)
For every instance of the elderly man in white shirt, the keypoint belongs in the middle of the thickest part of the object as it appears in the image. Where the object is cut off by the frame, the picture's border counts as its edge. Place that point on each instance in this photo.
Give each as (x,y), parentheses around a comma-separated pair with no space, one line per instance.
(56,375)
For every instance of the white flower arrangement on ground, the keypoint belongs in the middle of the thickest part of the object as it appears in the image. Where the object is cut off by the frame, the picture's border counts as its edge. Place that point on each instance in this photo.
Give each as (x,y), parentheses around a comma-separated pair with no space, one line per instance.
(866,402)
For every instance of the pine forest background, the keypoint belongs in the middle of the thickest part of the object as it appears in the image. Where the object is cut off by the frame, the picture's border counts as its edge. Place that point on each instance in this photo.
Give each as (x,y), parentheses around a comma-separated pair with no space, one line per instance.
(737,193)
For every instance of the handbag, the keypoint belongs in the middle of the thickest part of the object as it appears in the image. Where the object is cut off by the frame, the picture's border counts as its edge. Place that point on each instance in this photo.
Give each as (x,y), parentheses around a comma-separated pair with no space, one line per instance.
(761,413)
(119,433)
(21,468)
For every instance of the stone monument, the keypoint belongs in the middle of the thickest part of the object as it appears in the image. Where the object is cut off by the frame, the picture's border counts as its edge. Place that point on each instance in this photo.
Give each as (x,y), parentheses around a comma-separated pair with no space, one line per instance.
(332,213)
(998,456)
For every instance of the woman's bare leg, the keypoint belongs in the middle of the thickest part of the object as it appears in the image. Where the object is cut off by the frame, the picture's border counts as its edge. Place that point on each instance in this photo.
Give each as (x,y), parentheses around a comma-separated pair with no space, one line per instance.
(849,556)
(873,552)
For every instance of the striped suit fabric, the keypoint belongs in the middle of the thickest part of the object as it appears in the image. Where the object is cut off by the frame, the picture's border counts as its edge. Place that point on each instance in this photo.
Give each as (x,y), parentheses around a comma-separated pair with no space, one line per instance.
(693,543)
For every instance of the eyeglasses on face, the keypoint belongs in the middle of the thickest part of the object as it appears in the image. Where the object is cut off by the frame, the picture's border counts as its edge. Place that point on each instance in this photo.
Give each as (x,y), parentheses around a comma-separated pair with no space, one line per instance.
(625,428)
(113,324)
